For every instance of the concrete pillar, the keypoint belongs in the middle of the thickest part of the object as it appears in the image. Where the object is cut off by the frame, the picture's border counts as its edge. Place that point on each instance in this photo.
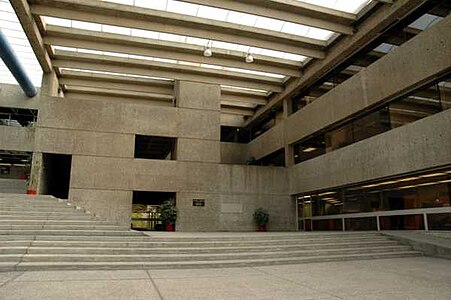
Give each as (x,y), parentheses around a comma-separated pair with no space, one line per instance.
(198,153)
(36,174)
(289,149)
(50,85)
(199,138)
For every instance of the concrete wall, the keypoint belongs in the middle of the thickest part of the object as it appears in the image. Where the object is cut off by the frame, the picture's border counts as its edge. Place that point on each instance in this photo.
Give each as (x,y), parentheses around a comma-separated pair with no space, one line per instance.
(17,138)
(99,134)
(234,153)
(420,145)
(416,62)
(13,186)
(11,95)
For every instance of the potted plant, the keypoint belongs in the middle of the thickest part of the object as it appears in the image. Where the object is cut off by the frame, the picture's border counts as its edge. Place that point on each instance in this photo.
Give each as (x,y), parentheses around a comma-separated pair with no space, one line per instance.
(261,217)
(168,215)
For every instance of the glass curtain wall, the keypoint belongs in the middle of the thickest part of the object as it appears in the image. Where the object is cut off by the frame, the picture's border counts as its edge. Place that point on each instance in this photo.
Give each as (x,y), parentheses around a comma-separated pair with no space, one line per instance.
(427,190)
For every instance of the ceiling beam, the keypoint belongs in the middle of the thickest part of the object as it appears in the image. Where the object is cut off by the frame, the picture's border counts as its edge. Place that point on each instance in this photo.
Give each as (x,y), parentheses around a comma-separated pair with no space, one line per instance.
(164,66)
(130,87)
(237,111)
(92,62)
(369,30)
(161,21)
(101,41)
(118,93)
(290,11)
(32,32)
(244,99)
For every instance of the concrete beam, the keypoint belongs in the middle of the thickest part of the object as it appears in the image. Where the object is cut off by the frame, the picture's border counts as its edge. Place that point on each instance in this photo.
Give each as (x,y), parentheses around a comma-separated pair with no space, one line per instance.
(244,99)
(236,111)
(291,11)
(105,84)
(370,29)
(102,41)
(118,93)
(91,62)
(143,18)
(31,30)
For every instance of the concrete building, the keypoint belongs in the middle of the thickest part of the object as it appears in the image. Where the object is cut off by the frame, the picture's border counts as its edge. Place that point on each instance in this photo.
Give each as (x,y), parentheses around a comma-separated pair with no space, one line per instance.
(330,118)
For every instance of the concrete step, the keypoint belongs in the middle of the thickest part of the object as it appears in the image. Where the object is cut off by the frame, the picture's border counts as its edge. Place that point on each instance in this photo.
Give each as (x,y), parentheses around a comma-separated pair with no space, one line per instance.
(144,241)
(54,222)
(179,237)
(27,214)
(58,246)
(171,257)
(47,232)
(32,247)
(88,227)
(41,266)
(39,209)
(80,217)
(40,247)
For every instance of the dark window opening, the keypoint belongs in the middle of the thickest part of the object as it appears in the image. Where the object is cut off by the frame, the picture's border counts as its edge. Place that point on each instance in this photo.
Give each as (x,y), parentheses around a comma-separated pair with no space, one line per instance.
(310,148)
(155,147)
(15,164)
(275,159)
(146,209)
(18,117)
(235,134)
(56,171)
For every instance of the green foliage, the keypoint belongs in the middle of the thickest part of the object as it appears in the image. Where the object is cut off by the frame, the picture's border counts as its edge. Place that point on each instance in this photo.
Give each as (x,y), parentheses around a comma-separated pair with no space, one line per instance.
(261,216)
(168,212)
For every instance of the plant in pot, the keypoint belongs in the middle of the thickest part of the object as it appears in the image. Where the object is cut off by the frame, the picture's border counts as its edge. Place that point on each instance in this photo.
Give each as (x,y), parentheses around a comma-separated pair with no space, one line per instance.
(168,215)
(261,217)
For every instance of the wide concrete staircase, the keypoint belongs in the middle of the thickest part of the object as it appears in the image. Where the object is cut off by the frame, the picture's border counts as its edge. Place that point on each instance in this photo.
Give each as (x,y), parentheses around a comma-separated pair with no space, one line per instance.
(45,233)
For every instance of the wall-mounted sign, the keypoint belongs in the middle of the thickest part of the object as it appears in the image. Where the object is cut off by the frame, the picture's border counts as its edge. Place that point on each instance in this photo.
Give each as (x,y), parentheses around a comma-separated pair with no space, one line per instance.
(198,202)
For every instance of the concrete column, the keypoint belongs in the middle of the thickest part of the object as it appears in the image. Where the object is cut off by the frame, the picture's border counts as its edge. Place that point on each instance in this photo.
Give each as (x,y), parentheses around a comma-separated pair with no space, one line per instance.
(289,149)
(198,153)
(36,182)
(50,85)
(199,123)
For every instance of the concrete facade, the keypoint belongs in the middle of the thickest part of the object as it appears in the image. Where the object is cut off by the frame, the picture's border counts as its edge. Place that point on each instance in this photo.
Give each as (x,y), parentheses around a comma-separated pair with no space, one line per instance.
(100,136)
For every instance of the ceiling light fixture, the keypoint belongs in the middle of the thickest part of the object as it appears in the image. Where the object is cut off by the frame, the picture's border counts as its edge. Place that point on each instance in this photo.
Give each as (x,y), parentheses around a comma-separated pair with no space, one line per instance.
(207,50)
(249,58)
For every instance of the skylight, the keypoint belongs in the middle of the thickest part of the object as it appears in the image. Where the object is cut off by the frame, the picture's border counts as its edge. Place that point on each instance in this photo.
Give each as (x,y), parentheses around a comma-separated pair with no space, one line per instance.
(349,6)
(234,17)
(169,61)
(12,29)
(173,38)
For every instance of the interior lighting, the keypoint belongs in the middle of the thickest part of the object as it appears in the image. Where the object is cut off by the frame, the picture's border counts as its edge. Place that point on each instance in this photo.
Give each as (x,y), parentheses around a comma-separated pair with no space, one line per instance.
(249,58)
(327,193)
(432,175)
(407,179)
(207,50)
(309,149)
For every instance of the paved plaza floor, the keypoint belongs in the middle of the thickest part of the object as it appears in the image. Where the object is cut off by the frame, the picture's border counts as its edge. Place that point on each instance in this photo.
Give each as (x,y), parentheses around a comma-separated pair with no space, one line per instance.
(401,278)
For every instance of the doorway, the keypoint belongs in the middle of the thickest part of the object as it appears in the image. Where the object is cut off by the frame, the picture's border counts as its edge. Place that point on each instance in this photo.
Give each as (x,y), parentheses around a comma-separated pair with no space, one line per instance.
(146,209)
(56,169)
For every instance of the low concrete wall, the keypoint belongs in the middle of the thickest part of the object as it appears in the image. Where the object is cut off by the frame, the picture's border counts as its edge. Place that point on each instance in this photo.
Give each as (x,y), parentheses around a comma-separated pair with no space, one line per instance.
(11,95)
(420,145)
(17,138)
(13,186)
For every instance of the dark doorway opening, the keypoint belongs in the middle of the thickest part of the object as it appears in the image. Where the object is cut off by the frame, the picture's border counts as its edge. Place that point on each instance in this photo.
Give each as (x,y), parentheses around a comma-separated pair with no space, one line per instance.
(146,209)
(57,174)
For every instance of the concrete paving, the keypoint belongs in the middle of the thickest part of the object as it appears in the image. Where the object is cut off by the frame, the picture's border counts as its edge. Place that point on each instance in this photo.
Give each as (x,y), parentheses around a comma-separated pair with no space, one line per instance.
(398,278)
